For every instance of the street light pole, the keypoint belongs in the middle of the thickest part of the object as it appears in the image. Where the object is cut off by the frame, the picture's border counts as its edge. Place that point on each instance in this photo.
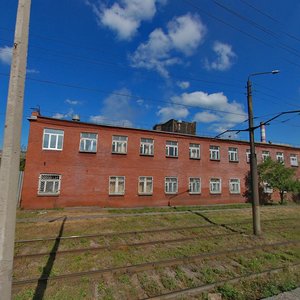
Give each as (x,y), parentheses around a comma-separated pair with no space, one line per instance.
(253,159)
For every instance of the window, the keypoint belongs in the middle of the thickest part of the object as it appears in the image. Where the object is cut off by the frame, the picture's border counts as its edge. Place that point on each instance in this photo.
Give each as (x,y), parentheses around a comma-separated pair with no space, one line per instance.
(234,186)
(214,152)
(267,188)
(88,142)
(49,184)
(117,185)
(248,155)
(147,147)
(145,185)
(233,154)
(294,160)
(171,186)
(215,186)
(171,149)
(195,151)
(53,139)
(265,155)
(280,157)
(195,185)
(119,144)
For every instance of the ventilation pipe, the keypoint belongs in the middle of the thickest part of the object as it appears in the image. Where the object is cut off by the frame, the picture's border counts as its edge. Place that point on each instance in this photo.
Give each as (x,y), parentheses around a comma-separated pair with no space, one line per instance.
(76,118)
(262,132)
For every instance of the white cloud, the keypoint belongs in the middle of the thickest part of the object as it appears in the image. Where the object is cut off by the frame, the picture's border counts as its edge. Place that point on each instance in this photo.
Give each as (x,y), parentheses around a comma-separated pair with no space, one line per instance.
(64,116)
(125,16)
(172,112)
(157,52)
(73,102)
(117,110)
(225,57)
(205,117)
(6,55)
(32,71)
(183,84)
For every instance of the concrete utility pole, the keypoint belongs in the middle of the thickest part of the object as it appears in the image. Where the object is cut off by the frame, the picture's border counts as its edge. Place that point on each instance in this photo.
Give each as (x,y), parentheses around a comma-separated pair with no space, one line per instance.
(253,159)
(11,149)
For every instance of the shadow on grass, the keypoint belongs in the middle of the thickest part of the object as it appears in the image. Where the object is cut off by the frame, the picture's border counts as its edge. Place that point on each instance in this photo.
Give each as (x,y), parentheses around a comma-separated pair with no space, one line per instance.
(43,280)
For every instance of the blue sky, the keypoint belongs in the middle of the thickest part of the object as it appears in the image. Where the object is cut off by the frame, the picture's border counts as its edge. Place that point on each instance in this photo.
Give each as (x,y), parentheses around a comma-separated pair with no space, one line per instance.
(140,62)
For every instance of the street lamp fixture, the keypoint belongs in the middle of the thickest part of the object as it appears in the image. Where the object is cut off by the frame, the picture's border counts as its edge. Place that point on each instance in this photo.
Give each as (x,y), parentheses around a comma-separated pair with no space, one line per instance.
(253,159)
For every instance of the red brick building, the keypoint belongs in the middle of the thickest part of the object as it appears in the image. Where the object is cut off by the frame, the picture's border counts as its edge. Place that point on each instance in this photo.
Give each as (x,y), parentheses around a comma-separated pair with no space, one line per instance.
(72,163)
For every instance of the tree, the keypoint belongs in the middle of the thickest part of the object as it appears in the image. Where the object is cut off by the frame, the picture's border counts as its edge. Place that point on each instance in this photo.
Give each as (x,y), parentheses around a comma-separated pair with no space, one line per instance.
(278,177)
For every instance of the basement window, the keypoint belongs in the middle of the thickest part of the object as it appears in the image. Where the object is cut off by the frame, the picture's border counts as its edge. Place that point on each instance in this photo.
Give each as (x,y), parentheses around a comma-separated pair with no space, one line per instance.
(117,185)
(119,144)
(88,142)
(49,184)
(53,139)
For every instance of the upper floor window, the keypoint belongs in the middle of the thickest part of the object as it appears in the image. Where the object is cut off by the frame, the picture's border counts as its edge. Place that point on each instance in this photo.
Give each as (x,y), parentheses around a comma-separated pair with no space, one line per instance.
(194,151)
(294,160)
(265,155)
(88,142)
(234,186)
(119,144)
(53,139)
(147,146)
(117,185)
(49,184)
(248,155)
(214,153)
(215,186)
(172,149)
(145,185)
(233,154)
(171,185)
(280,157)
(195,185)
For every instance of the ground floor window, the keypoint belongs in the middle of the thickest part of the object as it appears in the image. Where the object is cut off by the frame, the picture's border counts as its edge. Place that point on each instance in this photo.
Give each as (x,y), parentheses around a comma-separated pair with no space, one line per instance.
(215,186)
(49,184)
(145,185)
(234,186)
(195,185)
(117,185)
(171,185)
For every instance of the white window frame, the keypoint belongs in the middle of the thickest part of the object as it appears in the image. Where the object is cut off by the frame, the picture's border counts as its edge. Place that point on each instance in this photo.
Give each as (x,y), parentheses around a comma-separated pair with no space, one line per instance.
(171,148)
(294,160)
(213,182)
(265,154)
(117,180)
(119,144)
(194,182)
(55,181)
(147,146)
(280,157)
(234,186)
(171,185)
(56,134)
(214,152)
(142,185)
(248,155)
(194,151)
(233,154)
(86,138)
(267,188)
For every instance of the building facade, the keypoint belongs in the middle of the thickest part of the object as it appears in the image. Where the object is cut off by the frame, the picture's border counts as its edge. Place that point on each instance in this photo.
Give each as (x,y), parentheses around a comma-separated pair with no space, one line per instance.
(71,163)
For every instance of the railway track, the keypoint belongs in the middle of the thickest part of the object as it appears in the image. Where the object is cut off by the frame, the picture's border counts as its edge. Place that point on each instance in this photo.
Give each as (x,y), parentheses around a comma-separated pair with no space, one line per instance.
(155,264)
(140,244)
(111,234)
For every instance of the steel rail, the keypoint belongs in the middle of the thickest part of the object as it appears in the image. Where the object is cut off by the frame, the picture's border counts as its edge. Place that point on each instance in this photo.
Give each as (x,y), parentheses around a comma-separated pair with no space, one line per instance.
(141,244)
(108,234)
(206,287)
(152,265)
